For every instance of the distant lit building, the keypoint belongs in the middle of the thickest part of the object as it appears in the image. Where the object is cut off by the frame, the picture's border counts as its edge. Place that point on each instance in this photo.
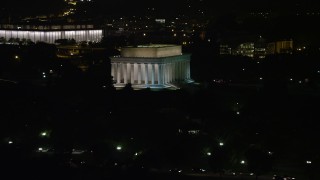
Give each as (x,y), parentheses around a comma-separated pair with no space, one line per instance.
(260,48)
(225,49)
(160,21)
(246,49)
(154,66)
(280,47)
(76,51)
(260,53)
(51,33)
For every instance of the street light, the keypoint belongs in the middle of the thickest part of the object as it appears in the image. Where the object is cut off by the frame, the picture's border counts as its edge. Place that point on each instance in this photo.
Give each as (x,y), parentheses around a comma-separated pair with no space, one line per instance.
(44,134)
(119,148)
(209,153)
(242,162)
(221,144)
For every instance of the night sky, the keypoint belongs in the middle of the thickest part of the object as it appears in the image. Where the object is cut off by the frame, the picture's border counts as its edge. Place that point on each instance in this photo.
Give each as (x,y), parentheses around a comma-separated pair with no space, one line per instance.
(130,6)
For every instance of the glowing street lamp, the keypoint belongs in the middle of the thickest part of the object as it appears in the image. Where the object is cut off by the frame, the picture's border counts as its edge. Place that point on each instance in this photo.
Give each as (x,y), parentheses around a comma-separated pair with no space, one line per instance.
(10,142)
(242,162)
(119,148)
(44,134)
(209,154)
(308,162)
(221,144)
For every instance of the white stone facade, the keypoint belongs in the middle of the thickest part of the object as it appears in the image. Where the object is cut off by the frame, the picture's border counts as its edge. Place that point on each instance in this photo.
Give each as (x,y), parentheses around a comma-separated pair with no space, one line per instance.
(150,72)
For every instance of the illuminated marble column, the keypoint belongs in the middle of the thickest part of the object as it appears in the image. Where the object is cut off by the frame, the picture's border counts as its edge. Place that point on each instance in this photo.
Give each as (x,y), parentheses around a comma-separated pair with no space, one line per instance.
(132,73)
(118,67)
(128,72)
(152,74)
(175,71)
(143,73)
(160,74)
(171,72)
(124,73)
(167,73)
(139,73)
(135,72)
(155,67)
(146,73)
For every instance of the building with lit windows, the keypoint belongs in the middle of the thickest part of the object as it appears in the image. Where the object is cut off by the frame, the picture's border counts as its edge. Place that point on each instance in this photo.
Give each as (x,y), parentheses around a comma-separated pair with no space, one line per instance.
(225,49)
(280,47)
(260,48)
(246,49)
(50,33)
(154,66)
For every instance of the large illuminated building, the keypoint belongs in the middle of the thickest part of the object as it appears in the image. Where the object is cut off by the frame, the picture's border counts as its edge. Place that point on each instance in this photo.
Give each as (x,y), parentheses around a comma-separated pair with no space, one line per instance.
(154,66)
(51,33)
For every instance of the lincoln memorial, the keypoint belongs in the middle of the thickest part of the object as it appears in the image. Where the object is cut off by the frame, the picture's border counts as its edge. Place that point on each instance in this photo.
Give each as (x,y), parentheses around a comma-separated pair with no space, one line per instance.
(154,66)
